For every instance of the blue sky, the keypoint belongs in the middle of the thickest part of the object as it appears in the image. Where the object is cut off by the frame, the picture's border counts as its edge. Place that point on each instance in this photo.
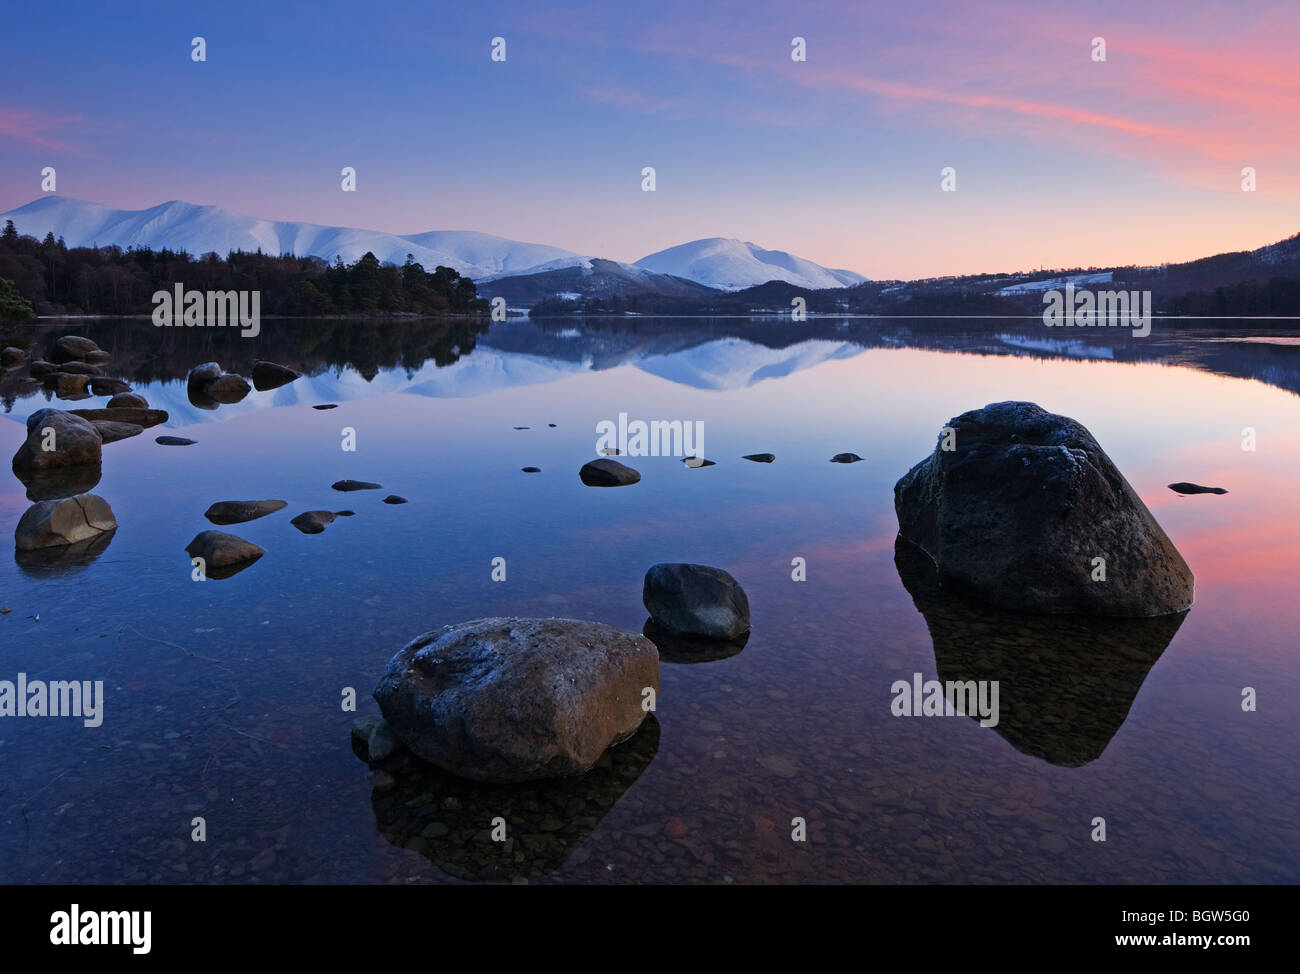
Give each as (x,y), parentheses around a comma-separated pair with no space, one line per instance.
(1061,160)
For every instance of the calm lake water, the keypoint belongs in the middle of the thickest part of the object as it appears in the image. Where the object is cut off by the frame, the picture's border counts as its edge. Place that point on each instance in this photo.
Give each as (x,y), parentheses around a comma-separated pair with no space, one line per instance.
(223,697)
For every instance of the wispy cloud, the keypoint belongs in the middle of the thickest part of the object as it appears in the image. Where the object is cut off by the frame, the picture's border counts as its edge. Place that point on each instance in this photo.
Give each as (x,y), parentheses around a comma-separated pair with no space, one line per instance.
(37,128)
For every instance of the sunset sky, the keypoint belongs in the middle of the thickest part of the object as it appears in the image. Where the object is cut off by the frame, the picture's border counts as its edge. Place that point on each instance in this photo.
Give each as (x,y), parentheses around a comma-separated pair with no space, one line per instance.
(1060,160)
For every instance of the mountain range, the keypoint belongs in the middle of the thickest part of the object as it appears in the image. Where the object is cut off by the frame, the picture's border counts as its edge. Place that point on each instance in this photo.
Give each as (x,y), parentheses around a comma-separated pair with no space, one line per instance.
(715,263)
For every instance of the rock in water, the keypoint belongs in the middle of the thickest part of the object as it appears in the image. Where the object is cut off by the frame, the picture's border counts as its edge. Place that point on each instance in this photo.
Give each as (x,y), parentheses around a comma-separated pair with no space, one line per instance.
(72,348)
(1017,514)
(350,485)
(220,550)
(52,524)
(696,601)
(174,441)
(227,388)
(11,358)
(1185,488)
(268,375)
(372,739)
(607,473)
(313,522)
(127,400)
(760,457)
(236,512)
(846,458)
(125,414)
(102,386)
(111,432)
(72,441)
(506,700)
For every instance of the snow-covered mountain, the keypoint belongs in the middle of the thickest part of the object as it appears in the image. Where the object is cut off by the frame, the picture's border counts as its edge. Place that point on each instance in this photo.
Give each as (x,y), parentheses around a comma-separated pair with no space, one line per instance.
(199,229)
(733,264)
(715,262)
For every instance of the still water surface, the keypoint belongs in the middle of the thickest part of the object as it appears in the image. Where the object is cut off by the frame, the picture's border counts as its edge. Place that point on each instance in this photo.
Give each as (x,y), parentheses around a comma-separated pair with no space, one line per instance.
(223,697)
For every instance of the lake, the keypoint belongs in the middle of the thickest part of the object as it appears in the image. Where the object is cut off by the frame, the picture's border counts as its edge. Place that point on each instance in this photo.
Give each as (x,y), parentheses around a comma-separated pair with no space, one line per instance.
(223,697)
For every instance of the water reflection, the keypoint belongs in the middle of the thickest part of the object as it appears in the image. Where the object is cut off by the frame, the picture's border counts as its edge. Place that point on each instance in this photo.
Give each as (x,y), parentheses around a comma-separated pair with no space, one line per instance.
(449,820)
(1065,683)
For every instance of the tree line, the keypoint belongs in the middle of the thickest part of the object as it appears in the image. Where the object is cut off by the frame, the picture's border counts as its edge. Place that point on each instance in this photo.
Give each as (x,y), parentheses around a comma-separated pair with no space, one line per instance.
(47,277)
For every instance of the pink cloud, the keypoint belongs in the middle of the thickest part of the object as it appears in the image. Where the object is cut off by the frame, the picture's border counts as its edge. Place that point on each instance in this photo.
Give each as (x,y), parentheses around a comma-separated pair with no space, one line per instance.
(34,127)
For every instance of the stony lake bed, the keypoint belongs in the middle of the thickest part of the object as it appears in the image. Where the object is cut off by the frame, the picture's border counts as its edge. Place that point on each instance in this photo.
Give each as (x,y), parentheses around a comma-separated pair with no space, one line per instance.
(223,697)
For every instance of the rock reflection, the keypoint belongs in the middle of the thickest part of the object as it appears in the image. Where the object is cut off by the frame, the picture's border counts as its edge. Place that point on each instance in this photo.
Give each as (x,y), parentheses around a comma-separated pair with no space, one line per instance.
(682,649)
(63,558)
(1066,683)
(56,483)
(448,820)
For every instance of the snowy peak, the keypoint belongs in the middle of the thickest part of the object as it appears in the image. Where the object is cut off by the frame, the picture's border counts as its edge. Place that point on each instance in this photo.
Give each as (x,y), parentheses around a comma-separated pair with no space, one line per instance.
(716,262)
(197,229)
(732,265)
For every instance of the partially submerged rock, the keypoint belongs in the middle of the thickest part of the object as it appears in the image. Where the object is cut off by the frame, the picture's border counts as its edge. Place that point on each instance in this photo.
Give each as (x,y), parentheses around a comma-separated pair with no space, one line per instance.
(223,554)
(1030,514)
(696,601)
(607,473)
(350,485)
(121,414)
(1185,488)
(846,458)
(54,523)
(237,512)
(373,740)
(111,432)
(72,348)
(58,439)
(268,375)
(174,441)
(313,522)
(508,699)
(11,358)
(128,400)
(759,457)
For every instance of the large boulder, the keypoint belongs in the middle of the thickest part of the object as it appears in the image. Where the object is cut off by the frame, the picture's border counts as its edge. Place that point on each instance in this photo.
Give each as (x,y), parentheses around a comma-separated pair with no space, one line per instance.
(207,385)
(51,524)
(505,700)
(127,400)
(696,601)
(111,432)
(1021,508)
(73,442)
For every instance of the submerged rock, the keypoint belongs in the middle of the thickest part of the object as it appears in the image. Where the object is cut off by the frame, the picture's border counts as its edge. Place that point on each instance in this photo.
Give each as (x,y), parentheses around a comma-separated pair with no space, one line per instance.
(268,375)
(372,739)
(507,699)
(72,441)
(237,512)
(55,523)
(696,601)
(1186,488)
(447,818)
(607,473)
(1027,510)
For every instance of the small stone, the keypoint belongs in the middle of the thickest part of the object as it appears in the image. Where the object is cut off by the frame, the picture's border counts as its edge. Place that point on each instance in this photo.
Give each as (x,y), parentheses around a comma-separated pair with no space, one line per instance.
(760,457)
(346,485)
(394,499)
(845,458)
(174,441)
